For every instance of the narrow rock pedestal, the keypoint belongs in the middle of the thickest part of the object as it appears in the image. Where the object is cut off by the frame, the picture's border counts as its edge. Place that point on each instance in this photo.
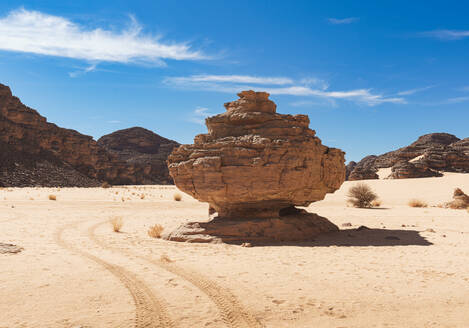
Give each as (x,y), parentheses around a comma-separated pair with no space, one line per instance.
(292,227)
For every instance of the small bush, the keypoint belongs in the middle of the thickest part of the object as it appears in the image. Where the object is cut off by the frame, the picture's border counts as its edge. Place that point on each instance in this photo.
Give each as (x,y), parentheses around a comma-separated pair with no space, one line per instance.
(52,197)
(376,203)
(417,203)
(361,195)
(142,196)
(105,185)
(116,223)
(458,204)
(155,231)
(177,197)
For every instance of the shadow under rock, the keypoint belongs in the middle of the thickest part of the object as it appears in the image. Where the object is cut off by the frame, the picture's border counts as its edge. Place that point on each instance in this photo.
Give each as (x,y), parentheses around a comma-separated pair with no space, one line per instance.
(371,237)
(362,237)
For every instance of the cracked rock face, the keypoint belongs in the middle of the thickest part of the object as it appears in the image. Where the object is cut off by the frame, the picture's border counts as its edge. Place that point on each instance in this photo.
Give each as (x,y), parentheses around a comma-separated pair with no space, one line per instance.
(253,162)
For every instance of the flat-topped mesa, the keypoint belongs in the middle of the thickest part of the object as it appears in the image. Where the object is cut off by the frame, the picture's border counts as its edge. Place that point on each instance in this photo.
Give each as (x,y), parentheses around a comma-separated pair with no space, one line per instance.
(256,163)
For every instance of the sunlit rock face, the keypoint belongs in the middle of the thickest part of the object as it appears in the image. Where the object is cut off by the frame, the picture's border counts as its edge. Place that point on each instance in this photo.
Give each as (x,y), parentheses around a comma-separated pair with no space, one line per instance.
(254,162)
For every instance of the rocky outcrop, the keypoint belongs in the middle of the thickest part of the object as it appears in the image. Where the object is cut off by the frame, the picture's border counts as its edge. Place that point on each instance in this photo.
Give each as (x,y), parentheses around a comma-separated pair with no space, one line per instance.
(254,164)
(405,170)
(39,153)
(144,151)
(349,168)
(364,170)
(430,154)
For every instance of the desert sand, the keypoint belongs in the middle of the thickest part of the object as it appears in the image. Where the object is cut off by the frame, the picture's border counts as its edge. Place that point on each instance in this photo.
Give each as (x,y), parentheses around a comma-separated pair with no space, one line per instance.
(410,269)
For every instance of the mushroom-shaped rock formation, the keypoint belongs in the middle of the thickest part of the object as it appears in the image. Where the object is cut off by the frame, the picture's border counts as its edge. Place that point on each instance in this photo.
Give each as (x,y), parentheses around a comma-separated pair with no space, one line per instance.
(253,167)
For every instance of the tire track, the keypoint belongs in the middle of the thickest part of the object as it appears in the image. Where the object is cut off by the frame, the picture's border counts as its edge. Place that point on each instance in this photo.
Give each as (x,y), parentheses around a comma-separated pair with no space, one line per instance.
(150,312)
(232,312)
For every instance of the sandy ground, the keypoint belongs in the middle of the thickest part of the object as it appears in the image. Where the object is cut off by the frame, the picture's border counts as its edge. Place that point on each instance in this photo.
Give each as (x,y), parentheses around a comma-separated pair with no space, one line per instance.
(75,271)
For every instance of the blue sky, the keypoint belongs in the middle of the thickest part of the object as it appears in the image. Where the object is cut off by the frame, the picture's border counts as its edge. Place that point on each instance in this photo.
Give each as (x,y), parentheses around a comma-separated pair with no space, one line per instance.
(371,75)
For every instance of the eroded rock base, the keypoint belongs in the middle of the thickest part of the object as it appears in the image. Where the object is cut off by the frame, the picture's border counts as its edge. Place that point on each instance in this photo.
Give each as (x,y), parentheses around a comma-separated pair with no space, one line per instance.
(295,226)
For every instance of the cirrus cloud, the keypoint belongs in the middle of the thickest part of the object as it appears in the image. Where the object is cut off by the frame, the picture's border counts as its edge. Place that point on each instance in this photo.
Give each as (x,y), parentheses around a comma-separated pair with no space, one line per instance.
(341,21)
(43,34)
(446,34)
(304,88)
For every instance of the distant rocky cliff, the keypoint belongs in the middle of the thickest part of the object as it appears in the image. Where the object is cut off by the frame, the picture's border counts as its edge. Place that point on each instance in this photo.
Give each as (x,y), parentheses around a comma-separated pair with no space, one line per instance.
(143,150)
(36,152)
(430,155)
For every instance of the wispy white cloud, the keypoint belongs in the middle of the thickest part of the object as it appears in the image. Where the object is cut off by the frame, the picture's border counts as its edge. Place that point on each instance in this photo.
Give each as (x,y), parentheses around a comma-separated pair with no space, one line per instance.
(313,81)
(465,89)
(309,103)
(39,33)
(234,79)
(365,96)
(339,21)
(446,34)
(113,122)
(78,73)
(456,100)
(199,114)
(413,91)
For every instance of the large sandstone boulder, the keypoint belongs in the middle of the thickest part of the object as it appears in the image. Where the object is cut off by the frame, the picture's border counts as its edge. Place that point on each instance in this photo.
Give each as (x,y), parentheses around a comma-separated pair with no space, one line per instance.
(256,164)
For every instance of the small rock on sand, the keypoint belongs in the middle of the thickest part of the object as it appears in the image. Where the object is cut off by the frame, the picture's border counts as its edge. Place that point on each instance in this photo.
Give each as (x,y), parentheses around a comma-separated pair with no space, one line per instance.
(9,248)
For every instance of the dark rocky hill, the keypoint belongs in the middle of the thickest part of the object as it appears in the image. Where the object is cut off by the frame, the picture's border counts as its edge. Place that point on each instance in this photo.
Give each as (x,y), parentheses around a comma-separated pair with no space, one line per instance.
(143,149)
(34,152)
(428,156)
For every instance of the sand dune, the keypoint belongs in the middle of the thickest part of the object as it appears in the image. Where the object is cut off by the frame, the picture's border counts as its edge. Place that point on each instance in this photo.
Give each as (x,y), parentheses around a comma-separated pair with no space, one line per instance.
(410,269)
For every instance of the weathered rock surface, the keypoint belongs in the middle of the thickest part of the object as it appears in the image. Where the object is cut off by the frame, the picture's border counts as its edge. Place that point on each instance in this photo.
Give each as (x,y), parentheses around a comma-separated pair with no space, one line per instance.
(430,154)
(364,170)
(254,163)
(349,168)
(38,153)
(300,226)
(405,170)
(144,151)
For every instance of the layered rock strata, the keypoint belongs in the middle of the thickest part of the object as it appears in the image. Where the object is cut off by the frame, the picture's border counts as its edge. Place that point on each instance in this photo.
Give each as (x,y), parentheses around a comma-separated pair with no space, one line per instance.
(255,164)
(430,155)
(34,152)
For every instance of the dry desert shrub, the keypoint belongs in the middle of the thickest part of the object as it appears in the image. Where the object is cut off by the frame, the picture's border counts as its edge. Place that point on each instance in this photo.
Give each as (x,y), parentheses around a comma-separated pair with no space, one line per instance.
(116,223)
(376,203)
(177,197)
(417,203)
(458,204)
(361,195)
(52,197)
(155,231)
(142,196)
(105,185)
(461,200)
